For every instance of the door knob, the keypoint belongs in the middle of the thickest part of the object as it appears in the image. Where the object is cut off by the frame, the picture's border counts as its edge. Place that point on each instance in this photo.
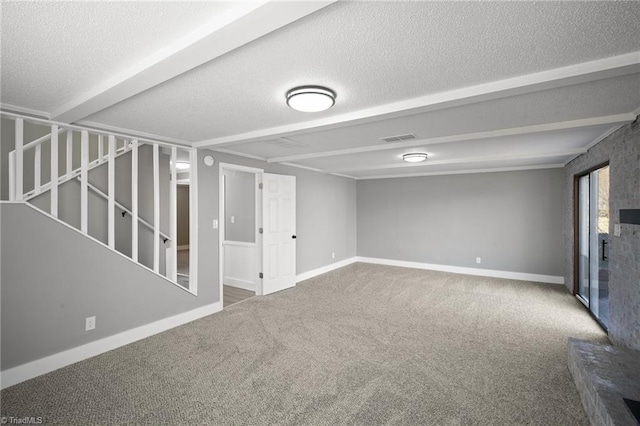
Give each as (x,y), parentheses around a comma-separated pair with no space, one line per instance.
(294,237)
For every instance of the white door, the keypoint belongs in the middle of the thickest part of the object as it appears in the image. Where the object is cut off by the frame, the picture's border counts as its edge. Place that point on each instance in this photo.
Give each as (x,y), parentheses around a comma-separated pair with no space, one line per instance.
(279,232)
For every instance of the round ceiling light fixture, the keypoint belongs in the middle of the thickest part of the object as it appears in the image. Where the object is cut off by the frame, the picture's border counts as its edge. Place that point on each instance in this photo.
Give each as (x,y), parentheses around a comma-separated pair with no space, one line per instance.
(182,165)
(311,98)
(414,157)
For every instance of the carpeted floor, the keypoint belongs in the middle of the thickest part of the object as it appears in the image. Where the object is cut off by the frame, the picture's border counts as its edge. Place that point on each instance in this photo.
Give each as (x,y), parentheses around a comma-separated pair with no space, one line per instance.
(364,344)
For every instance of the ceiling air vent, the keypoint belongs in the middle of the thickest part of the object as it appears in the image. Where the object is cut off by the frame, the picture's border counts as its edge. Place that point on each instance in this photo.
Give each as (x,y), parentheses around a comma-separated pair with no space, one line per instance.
(286,143)
(400,138)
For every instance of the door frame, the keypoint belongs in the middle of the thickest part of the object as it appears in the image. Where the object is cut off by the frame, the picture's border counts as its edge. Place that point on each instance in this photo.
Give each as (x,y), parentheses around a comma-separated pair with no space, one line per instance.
(576,236)
(222,167)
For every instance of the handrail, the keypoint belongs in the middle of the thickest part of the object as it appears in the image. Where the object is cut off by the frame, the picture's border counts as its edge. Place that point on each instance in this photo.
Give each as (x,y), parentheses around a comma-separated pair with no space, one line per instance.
(39,140)
(115,149)
(67,177)
(95,131)
(95,189)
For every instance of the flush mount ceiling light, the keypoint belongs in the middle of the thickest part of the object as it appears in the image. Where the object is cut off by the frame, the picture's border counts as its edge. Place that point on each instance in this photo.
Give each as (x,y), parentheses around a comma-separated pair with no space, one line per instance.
(414,157)
(311,98)
(182,165)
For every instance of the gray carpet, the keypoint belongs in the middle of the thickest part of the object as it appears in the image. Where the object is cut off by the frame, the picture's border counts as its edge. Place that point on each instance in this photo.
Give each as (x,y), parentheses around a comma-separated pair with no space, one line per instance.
(365,344)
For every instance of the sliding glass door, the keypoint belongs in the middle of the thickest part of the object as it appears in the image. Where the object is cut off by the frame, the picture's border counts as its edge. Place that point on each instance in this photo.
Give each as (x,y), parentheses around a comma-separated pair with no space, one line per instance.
(593,238)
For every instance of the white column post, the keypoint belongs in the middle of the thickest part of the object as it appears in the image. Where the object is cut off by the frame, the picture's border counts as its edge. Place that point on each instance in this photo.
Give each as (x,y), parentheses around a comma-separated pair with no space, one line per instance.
(12,176)
(100,149)
(111,202)
(19,159)
(134,201)
(156,209)
(173,215)
(84,180)
(54,170)
(69,153)
(37,169)
(193,221)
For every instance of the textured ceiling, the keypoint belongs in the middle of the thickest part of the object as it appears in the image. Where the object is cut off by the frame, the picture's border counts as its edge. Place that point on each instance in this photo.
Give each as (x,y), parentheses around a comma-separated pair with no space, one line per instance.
(378,52)
(371,53)
(51,51)
(604,97)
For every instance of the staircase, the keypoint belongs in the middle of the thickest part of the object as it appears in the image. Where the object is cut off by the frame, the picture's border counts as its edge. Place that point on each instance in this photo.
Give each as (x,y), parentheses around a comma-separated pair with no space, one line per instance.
(127,189)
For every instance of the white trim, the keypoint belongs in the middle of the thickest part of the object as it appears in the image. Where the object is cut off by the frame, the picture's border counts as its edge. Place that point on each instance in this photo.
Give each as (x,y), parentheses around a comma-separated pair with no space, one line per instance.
(84,181)
(551,279)
(19,166)
(93,131)
(111,190)
(27,111)
(53,362)
(156,208)
(465,172)
(225,32)
(134,201)
(193,222)
(238,283)
(299,166)
(184,247)
(104,128)
(69,151)
(342,175)
(55,174)
(37,169)
(324,269)
(172,265)
(221,219)
(614,66)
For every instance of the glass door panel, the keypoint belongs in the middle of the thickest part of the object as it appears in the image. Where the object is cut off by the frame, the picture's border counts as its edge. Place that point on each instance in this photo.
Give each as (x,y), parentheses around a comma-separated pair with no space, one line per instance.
(583,239)
(593,240)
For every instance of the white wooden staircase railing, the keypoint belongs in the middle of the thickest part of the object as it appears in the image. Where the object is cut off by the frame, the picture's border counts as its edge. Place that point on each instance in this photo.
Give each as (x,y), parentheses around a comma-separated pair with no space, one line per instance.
(110,146)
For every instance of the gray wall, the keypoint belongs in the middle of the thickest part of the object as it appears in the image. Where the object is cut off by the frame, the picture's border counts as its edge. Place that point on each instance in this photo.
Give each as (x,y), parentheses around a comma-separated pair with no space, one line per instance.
(512,220)
(326,214)
(53,278)
(183,214)
(240,203)
(622,151)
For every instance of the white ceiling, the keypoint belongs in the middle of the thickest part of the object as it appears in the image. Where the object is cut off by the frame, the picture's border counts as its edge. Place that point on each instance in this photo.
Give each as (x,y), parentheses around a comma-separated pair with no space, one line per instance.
(482,85)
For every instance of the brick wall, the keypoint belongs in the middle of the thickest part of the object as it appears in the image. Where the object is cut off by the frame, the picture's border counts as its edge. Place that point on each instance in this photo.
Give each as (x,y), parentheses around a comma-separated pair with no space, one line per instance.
(622,150)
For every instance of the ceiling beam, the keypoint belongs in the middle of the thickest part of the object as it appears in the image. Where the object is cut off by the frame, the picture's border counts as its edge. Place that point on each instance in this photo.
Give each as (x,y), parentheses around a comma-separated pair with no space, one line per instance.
(585,72)
(467,160)
(538,128)
(248,21)
(463,172)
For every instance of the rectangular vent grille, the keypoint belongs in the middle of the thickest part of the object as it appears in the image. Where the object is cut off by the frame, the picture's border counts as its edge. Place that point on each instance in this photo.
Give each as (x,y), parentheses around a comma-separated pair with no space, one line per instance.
(400,138)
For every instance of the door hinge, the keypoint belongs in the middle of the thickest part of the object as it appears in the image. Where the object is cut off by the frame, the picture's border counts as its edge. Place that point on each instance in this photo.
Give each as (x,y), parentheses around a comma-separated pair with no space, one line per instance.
(259,186)
(261,275)
(260,230)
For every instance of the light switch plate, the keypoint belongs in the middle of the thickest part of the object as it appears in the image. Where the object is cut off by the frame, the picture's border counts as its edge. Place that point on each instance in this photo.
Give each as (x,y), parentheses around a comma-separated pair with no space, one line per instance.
(616,229)
(215,223)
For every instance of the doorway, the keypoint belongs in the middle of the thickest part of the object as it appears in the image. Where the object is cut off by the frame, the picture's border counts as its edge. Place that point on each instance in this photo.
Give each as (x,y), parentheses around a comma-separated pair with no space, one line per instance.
(241,242)
(592,254)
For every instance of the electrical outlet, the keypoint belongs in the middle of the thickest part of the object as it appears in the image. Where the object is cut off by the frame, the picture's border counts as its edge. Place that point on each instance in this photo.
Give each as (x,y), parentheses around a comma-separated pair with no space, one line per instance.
(89,323)
(333,255)
(233,219)
(478,260)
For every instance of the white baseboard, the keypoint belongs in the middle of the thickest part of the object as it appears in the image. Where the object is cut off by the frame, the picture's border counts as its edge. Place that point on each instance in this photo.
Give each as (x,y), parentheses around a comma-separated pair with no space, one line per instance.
(324,269)
(53,362)
(185,247)
(238,283)
(551,279)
